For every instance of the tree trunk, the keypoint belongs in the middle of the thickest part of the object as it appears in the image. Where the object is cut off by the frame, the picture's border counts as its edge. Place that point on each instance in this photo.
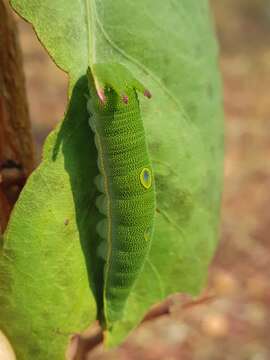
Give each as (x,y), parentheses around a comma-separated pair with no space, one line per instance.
(16,143)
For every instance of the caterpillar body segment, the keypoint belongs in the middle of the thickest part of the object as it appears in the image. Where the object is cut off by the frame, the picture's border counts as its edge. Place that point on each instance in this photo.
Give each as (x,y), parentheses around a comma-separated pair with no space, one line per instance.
(125,182)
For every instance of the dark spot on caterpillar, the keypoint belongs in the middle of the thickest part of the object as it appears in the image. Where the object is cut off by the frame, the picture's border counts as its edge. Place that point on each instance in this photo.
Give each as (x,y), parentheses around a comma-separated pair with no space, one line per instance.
(66,222)
(145,178)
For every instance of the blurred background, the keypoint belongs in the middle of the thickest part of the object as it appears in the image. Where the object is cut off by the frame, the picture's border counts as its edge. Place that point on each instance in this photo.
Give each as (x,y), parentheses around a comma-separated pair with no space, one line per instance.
(232,318)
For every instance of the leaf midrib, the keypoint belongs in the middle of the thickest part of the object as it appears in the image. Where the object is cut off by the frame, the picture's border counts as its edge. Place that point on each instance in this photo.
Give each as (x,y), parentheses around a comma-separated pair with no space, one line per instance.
(90,6)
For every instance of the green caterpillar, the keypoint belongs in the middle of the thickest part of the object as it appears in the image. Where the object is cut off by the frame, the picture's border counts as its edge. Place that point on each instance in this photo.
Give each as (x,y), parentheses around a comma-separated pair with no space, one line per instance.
(126,182)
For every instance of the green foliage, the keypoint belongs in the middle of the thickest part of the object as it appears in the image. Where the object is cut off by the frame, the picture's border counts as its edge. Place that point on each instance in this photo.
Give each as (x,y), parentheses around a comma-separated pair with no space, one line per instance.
(44,288)
(48,256)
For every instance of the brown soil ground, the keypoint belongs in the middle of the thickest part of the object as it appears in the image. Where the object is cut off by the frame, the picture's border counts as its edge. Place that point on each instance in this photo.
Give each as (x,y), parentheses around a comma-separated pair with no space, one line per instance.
(233,323)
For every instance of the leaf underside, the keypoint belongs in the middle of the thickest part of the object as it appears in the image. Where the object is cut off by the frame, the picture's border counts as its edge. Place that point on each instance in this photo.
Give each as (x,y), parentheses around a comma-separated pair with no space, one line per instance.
(48,273)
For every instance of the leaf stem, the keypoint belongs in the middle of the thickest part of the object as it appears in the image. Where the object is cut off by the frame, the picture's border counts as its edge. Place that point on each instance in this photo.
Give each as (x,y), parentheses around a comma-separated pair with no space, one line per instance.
(90,13)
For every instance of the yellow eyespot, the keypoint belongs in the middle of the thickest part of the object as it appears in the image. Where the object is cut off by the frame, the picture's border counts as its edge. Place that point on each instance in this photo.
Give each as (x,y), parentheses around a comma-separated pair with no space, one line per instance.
(146,178)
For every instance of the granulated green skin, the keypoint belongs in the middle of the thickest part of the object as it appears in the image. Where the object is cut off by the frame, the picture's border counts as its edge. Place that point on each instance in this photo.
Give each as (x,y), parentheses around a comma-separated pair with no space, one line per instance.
(129,203)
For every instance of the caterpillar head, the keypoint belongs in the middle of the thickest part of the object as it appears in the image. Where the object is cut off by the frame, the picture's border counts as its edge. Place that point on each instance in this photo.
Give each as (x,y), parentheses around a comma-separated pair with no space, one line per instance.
(104,77)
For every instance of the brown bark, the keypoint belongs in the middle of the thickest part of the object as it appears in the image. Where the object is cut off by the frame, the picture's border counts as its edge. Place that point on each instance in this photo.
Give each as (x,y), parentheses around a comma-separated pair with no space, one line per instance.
(16,144)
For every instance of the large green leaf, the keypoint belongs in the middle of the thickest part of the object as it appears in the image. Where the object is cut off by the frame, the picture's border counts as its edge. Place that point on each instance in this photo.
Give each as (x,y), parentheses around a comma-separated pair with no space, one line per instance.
(170,47)
(44,288)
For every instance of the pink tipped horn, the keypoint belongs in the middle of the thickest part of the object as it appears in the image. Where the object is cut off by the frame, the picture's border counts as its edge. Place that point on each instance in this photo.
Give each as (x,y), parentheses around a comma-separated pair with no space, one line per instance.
(147,94)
